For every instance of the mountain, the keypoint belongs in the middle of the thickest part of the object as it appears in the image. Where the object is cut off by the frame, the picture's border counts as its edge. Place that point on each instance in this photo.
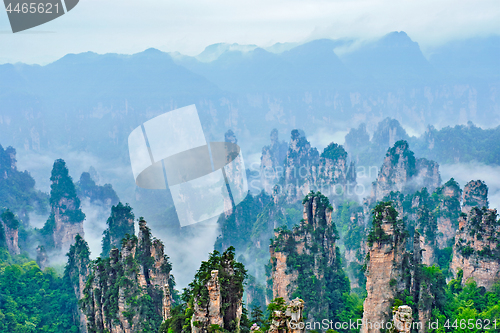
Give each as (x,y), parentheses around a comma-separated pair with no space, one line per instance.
(311,66)
(212,52)
(89,101)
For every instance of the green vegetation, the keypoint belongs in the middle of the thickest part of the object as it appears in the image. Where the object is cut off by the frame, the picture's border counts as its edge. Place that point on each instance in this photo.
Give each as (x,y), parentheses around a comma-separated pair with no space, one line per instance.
(383,212)
(231,275)
(465,303)
(321,281)
(334,152)
(116,279)
(32,300)
(105,194)
(236,228)
(407,154)
(63,191)
(120,224)
(17,189)
(463,143)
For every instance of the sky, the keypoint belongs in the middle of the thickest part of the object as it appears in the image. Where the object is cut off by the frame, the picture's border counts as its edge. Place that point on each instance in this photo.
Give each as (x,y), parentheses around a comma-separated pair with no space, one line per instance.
(188,26)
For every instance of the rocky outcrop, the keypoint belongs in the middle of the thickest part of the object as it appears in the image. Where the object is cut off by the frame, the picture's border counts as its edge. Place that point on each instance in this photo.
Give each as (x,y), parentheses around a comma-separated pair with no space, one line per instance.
(426,300)
(18,189)
(475,195)
(308,252)
(77,271)
(356,248)
(204,317)
(425,223)
(402,172)
(402,319)
(10,230)
(396,271)
(41,257)
(229,136)
(305,170)
(96,194)
(120,223)
(129,285)
(271,162)
(449,196)
(66,218)
(299,163)
(216,294)
(477,246)
(388,132)
(385,268)
(288,319)
(284,282)
(65,225)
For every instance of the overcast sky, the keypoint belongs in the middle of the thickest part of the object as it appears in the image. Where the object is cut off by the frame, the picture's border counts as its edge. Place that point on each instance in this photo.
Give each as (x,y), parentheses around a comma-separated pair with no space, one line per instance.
(188,26)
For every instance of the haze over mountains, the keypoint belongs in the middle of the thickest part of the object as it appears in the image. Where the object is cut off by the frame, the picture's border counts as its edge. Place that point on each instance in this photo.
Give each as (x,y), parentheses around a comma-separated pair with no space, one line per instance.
(83,106)
(88,103)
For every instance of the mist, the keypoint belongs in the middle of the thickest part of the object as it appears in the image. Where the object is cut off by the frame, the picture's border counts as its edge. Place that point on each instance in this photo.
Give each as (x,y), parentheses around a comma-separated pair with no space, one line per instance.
(465,172)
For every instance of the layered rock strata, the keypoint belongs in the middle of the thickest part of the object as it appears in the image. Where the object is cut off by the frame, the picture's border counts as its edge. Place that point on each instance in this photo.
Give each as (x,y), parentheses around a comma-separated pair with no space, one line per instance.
(475,195)
(308,251)
(402,319)
(450,196)
(477,247)
(402,172)
(66,218)
(9,230)
(120,223)
(271,162)
(204,317)
(306,170)
(385,268)
(121,289)
(77,271)
(289,319)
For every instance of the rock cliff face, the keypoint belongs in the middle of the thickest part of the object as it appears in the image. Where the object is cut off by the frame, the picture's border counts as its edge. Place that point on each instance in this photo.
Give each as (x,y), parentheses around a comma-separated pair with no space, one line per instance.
(41,257)
(475,195)
(388,132)
(120,223)
(216,295)
(288,318)
(305,170)
(18,188)
(450,196)
(395,271)
(129,285)
(402,319)
(477,246)
(386,268)
(271,162)
(402,172)
(309,253)
(77,271)
(101,195)
(65,227)
(66,218)
(10,231)
(203,317)
(425,224)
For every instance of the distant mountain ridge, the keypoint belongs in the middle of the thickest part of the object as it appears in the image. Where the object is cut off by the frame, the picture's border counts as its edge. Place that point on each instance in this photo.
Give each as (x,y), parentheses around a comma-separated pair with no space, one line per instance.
(89,102)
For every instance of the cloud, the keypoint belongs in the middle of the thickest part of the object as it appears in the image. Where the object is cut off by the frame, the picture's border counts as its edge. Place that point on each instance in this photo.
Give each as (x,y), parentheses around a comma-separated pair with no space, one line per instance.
(188,249)
(465,172)
(128,26)
(322,137)
(94,225)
